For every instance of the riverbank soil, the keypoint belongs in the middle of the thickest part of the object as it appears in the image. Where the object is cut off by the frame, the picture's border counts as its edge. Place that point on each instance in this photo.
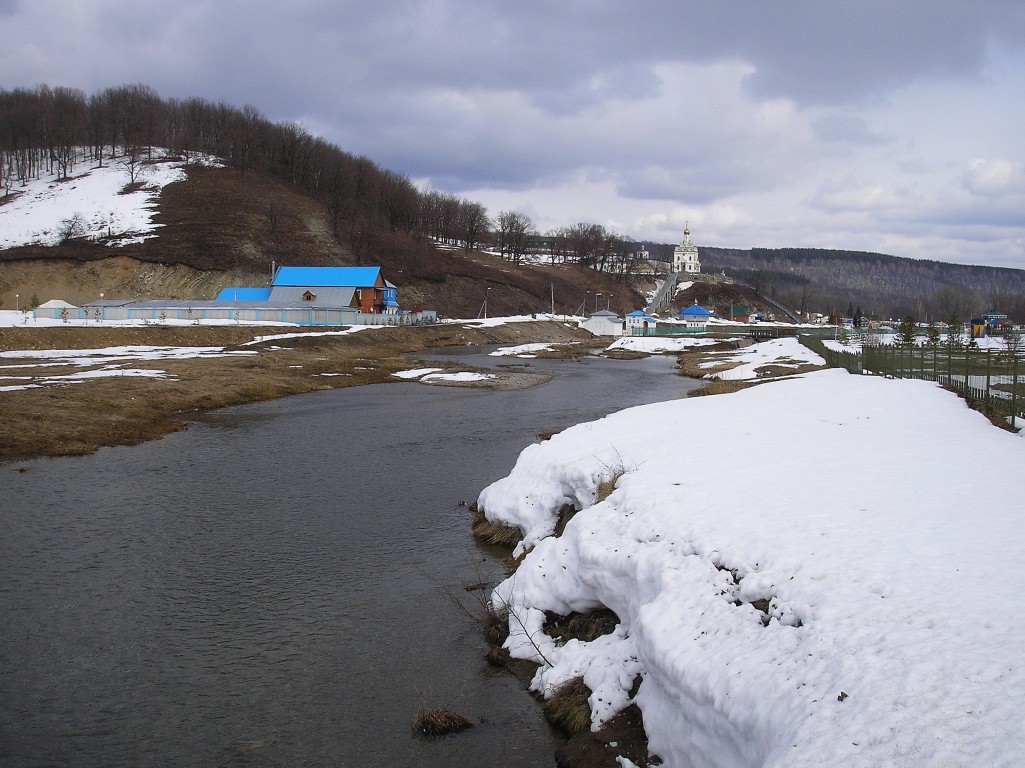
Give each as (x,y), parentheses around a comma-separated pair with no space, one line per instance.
(74,419)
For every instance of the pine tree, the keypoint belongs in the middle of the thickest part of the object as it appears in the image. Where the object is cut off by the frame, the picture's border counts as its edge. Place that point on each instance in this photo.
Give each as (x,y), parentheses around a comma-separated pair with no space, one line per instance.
(906,332)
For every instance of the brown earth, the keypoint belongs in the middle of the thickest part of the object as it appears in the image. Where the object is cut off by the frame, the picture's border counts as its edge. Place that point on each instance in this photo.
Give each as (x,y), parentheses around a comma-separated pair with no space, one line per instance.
(79,418)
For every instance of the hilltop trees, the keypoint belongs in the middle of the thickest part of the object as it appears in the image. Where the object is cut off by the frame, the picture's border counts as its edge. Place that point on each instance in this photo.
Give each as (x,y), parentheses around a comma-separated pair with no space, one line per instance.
(515,233)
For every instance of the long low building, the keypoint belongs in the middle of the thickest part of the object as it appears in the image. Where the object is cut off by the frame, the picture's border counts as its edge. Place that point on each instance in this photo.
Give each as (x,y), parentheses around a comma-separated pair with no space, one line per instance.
(298,295)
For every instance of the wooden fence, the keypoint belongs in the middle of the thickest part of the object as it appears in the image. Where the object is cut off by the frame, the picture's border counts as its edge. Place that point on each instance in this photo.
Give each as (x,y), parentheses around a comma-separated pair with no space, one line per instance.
(993,380)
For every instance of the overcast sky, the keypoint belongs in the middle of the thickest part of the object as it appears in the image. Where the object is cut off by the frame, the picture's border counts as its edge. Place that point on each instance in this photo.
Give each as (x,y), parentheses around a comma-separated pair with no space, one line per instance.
(895,126)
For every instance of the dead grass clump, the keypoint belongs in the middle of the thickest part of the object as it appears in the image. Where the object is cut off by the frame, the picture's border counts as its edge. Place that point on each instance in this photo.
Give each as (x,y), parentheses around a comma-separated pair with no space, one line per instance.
(488,532)
(496,626)
(431,723)
(606,487)
(568,709)
(718,387)
(497,657)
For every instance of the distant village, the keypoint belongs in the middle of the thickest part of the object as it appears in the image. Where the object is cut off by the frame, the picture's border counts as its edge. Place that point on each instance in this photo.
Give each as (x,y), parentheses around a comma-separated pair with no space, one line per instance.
(332,296)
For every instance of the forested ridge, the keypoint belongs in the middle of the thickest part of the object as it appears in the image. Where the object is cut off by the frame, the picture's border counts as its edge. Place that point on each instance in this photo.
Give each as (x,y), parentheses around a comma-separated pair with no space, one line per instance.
(813,279)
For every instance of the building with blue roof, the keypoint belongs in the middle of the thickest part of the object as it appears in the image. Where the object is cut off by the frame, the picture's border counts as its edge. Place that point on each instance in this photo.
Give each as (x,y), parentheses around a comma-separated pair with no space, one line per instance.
(361,287)
(695,316)
(638,323)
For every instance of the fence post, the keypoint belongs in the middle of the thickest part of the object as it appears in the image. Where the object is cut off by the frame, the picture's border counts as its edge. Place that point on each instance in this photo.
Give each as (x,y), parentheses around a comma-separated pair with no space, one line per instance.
(988,369)
(967,371)
(1014,392)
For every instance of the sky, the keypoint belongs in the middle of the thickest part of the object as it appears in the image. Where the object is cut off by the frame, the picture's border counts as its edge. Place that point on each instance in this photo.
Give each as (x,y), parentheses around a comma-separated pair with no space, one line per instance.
(869,125)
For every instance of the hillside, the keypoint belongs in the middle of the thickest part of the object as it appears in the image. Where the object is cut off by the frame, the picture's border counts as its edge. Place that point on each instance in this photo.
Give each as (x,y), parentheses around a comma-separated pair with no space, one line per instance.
(219,226)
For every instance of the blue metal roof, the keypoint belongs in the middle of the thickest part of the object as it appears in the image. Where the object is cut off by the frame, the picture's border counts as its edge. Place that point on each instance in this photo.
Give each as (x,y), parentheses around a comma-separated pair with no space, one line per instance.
(638,313)
(695,311)
(232,293)
(328,277)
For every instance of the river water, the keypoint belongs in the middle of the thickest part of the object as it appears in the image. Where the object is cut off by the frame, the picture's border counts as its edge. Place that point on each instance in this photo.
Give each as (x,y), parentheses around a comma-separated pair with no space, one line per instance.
(272,587)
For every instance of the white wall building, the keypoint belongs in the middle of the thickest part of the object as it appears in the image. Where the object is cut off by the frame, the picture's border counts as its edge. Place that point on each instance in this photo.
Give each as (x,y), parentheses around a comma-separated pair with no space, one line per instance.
(604,323)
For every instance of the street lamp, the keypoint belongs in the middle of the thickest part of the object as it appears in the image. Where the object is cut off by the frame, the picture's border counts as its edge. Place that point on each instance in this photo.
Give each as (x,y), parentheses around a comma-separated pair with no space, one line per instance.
(608,301)
(488,291)
(596,301)
(17,302)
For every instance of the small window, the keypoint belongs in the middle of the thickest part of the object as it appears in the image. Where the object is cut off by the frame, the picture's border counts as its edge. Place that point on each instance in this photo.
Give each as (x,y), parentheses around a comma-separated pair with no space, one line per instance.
(309,296)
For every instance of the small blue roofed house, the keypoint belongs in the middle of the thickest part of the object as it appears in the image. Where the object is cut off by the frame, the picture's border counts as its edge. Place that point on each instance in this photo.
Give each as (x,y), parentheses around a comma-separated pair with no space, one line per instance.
(638,323)
(361,288)
(695,316)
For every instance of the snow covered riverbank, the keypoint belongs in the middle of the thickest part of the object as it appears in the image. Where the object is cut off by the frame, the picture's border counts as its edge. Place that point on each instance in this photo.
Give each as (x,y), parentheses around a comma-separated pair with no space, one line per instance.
(818,571)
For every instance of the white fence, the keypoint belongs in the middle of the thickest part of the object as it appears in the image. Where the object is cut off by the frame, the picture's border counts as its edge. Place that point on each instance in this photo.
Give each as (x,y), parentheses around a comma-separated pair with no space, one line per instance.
(294,315)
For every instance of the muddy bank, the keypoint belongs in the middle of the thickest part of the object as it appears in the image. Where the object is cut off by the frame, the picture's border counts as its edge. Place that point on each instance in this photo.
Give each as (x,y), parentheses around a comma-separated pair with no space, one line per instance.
(75,419)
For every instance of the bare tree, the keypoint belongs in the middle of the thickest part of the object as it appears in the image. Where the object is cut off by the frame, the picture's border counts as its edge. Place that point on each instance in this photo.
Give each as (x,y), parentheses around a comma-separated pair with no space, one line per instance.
(516,232)
(473,224)
(132,163)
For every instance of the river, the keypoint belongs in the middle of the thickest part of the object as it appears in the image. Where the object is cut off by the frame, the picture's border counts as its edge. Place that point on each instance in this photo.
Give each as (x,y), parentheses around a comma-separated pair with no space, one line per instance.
(272,587)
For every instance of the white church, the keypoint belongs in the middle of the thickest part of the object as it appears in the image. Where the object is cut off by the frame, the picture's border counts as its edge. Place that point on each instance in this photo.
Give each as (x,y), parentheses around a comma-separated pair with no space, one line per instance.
(685,256)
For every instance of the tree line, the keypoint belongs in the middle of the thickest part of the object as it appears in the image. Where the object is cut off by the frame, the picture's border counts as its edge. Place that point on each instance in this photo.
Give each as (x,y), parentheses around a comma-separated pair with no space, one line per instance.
(53,130)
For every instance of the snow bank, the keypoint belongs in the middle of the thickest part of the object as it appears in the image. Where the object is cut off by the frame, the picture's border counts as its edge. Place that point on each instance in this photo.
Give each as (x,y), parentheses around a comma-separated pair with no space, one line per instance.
(891,632)
(414,373)
(459,377)
(654,345)
(522,350)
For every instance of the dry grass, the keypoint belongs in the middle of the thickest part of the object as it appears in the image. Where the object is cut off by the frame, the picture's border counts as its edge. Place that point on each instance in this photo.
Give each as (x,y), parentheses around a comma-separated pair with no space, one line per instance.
(431,723)
(568,709)
(488,532)
(719,387)
(74,420)
(607,486)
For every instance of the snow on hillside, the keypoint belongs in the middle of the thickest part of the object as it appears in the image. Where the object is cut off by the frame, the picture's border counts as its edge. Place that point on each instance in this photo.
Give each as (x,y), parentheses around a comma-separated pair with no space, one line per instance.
(816,571)
(89,204)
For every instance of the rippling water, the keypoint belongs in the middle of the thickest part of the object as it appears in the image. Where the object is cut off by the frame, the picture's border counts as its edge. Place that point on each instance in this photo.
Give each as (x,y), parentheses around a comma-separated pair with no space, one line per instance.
(271,587)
